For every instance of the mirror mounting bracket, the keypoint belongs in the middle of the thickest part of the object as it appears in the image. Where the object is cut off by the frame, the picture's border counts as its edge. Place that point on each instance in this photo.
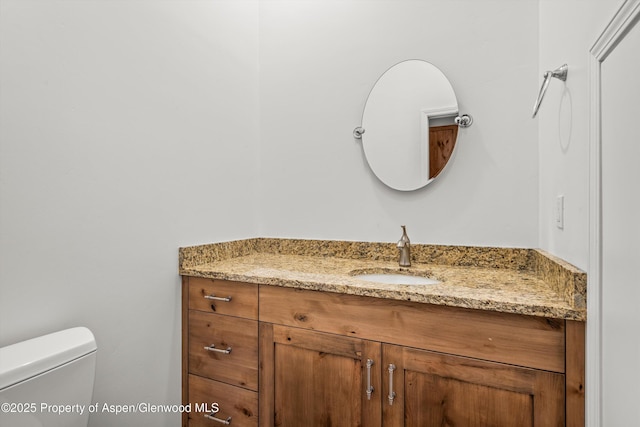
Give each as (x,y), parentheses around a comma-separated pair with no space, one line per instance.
(464,121)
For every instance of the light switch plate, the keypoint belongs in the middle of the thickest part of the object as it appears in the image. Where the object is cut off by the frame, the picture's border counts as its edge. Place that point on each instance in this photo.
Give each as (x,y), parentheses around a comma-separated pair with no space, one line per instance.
(560,212)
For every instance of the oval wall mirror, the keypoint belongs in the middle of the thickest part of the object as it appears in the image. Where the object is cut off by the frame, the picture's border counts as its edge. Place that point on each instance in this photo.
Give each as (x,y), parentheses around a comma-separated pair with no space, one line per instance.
(410,125)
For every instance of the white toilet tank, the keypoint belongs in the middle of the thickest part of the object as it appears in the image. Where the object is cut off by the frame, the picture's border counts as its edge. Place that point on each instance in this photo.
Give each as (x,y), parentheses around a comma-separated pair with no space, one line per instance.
(48,381)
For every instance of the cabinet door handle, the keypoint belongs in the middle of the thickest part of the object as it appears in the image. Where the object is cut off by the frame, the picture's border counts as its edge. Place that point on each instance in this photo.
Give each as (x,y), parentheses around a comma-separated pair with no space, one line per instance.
(212,347)
(392,394)
(369,386)
(220,420)
(213,297)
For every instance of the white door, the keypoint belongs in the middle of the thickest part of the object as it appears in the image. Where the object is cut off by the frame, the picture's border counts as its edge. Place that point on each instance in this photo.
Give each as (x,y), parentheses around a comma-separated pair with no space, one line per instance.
(620,186)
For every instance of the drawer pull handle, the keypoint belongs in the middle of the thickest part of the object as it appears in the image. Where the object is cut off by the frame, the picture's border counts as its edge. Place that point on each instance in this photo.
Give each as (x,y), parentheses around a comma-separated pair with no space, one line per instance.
(392,394)
(220,420)
(212,347)
(213,297)
(369,386)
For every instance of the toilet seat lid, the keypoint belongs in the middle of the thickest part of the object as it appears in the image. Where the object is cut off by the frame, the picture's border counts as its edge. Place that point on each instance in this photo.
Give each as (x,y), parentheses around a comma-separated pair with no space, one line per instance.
(27,359)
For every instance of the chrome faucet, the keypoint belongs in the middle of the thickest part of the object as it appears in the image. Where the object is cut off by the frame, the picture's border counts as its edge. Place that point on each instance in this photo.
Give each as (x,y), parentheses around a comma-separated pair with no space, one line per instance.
(404,245)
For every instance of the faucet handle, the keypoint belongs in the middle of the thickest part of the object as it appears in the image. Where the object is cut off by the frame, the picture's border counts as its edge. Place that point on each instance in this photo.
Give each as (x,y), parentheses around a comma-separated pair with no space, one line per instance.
(405,250)
(405,238)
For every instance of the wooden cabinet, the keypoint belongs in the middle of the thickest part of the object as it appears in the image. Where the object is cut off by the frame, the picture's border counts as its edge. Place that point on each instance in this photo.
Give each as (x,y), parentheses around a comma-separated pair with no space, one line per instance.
(321,379)
(435,389)
(317,379)
(313,357)
(220,352)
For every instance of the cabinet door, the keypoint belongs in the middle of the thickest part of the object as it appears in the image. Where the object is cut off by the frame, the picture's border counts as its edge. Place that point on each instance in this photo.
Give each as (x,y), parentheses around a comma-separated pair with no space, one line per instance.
(310,379)
(436,389)
(442,140)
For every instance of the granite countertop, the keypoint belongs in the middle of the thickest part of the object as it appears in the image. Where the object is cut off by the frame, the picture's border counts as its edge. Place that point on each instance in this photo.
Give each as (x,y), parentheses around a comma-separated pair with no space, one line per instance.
(511,280)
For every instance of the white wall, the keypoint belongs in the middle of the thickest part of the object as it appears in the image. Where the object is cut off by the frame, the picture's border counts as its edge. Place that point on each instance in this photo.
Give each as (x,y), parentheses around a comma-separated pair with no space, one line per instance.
(568,29)
(318,61)
(127,129)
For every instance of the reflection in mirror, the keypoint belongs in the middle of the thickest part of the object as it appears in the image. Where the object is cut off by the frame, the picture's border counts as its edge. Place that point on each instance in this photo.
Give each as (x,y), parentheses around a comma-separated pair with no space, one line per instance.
(409,123)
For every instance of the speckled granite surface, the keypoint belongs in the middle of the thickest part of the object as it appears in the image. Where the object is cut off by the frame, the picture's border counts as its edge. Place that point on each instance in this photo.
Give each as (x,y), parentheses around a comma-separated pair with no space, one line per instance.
(524,281)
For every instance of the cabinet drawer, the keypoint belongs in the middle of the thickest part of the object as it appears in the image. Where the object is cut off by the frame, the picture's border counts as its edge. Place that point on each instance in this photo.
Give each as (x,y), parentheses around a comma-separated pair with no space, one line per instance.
(209,294)
(239,404)
(240,365)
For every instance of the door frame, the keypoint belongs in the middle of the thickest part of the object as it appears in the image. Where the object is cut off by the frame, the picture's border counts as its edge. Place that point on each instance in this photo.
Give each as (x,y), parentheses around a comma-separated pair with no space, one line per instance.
(622,22)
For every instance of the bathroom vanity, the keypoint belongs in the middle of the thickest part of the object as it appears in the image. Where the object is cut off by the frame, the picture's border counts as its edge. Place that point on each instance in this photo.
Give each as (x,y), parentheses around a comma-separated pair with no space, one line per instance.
(283,333)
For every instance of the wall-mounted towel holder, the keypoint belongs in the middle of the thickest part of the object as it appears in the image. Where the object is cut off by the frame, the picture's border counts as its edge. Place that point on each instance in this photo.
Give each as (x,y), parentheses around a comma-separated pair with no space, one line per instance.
(558,73)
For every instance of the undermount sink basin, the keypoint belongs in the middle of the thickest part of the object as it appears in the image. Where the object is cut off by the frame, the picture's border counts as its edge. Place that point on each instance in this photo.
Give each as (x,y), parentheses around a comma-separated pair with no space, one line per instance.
(396,279)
